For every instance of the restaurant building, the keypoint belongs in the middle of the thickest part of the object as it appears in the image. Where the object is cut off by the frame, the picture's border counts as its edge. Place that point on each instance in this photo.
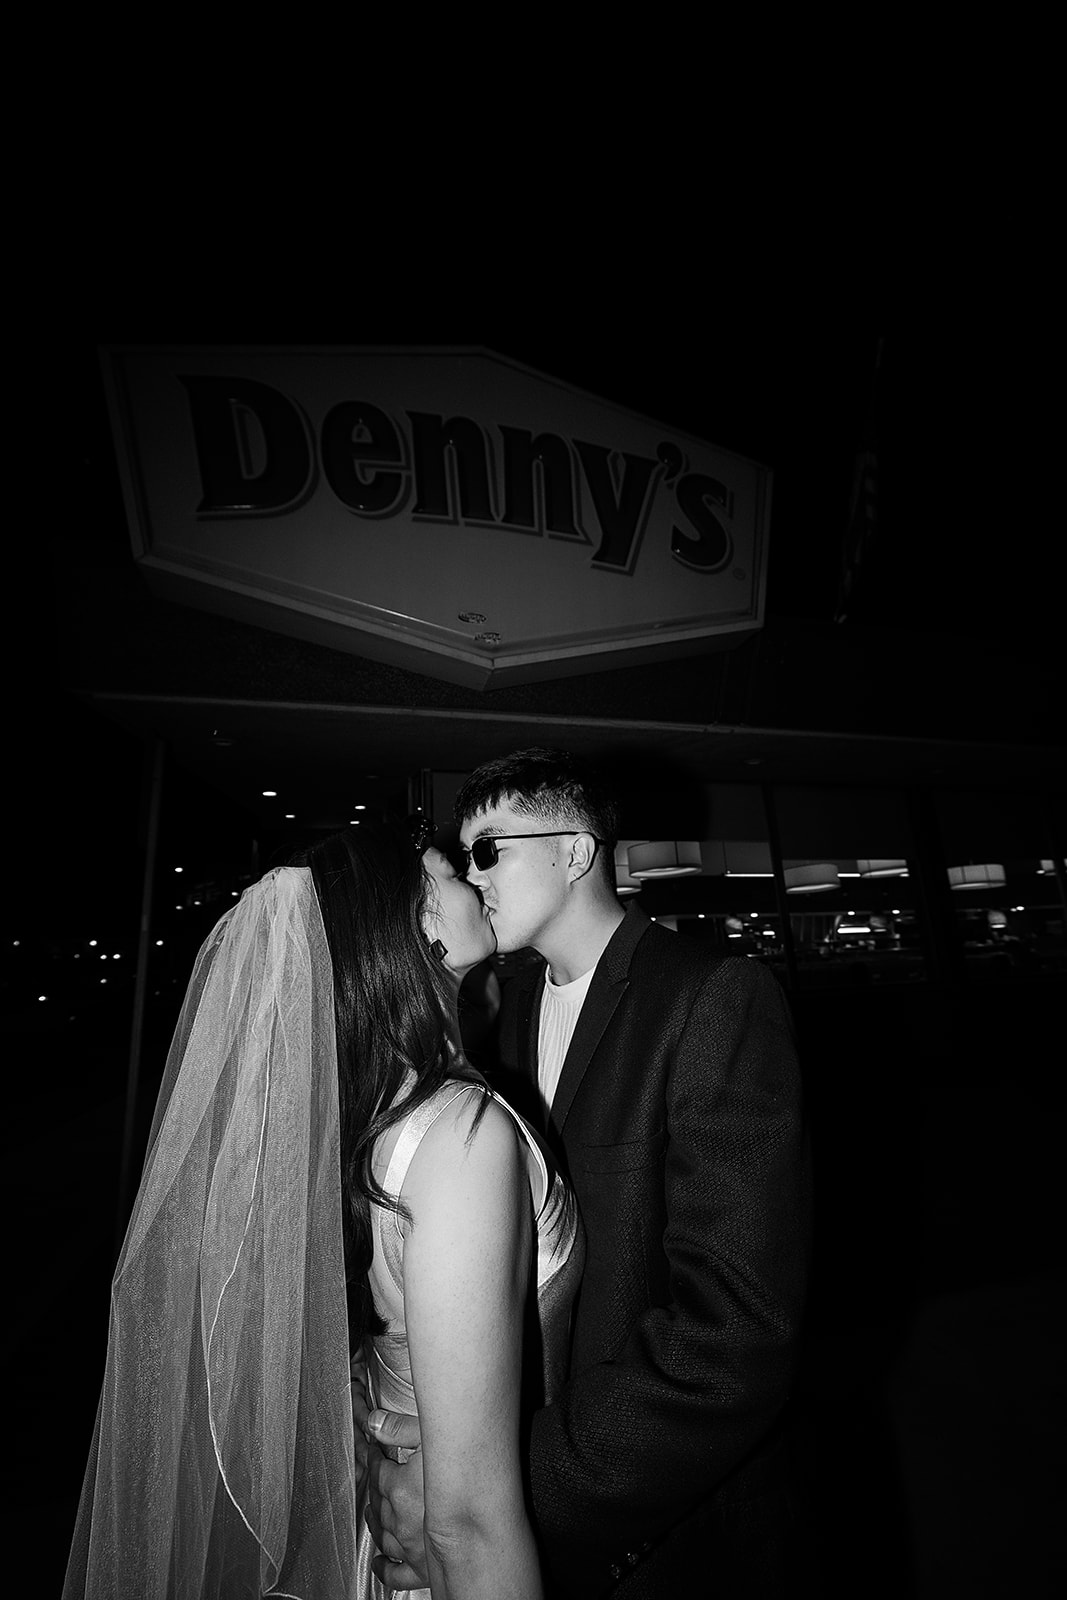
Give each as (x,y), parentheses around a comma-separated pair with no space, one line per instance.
(337,580)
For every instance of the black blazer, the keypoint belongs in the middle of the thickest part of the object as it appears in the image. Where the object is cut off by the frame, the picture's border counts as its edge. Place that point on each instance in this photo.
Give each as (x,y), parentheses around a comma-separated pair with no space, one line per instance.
(677,1120)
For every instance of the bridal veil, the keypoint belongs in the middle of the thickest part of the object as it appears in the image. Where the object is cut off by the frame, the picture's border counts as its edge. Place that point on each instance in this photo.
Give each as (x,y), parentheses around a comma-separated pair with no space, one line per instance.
(222,1462)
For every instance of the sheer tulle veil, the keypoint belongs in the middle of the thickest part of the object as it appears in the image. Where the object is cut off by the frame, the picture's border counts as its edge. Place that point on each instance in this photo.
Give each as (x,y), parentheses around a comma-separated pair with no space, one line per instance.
(222,1462)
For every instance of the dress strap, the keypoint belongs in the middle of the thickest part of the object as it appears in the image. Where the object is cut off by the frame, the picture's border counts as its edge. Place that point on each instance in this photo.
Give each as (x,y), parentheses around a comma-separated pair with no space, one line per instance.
(529,1138)
(414,1131)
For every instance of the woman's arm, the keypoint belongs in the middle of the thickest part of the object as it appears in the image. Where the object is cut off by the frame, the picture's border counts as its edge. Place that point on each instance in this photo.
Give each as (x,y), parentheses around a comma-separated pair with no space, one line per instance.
(466,1275)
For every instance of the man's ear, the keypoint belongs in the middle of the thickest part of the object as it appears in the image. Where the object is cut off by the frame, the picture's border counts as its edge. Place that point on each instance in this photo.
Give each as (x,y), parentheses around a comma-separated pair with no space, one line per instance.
(583,854)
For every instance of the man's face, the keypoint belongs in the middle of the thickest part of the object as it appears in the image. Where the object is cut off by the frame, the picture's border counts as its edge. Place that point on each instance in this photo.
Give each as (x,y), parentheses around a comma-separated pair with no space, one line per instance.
(526,888)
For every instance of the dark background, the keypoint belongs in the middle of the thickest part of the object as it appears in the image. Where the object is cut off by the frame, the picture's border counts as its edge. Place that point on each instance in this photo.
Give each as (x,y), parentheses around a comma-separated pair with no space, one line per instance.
(934,1133)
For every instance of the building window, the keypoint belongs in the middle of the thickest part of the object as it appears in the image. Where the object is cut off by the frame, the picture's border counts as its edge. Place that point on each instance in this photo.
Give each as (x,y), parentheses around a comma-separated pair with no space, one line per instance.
(849,875)
(1005,882)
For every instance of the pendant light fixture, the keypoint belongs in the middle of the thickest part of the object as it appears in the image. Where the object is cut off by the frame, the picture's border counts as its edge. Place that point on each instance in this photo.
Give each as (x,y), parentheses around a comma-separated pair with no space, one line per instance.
(811,877)
(664,858)
(987,875)
(882,869)
(625,882)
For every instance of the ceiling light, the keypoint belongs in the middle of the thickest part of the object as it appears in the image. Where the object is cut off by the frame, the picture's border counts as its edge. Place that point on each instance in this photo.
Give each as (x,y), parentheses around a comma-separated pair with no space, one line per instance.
(883,869)
(813,877)
(987,875)
(664,858)
(625,882)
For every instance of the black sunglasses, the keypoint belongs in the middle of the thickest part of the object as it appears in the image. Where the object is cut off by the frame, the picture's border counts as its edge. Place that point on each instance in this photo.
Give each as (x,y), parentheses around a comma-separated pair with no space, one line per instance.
(484,853)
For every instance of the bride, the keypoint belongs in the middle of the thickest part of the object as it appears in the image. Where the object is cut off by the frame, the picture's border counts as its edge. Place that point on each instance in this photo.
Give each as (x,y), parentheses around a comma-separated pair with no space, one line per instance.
(327,1178)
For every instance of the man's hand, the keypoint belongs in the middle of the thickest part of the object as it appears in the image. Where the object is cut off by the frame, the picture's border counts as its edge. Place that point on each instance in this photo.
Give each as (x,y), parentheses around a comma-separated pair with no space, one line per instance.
(395,1511)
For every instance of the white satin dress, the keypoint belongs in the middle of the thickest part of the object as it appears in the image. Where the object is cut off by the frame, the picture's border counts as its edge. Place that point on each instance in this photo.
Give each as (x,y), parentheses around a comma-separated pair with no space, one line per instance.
(560,1257)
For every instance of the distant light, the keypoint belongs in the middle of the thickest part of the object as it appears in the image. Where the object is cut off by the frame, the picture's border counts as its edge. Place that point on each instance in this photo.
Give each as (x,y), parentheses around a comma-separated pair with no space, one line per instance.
(270,794)
(103,980)
(114,958)
(179,869)
(700,916)
(733,936)
(77,955)
(158,943)
(363,808)
(290,816)
(92,941)
(42,997)
(17,942)
(103,958)
(233,894)
(197,902)
(354,823)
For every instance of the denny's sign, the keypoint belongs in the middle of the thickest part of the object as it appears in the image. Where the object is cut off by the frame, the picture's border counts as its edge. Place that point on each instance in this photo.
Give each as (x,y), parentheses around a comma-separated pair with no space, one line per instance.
(444,510)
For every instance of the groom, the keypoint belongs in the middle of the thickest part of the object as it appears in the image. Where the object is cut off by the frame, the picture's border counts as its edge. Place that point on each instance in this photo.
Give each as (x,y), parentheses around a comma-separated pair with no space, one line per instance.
(666,1080)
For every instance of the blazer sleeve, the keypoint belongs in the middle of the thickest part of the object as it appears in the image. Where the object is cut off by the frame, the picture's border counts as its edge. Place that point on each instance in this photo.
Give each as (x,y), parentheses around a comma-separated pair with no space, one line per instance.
(634,1442)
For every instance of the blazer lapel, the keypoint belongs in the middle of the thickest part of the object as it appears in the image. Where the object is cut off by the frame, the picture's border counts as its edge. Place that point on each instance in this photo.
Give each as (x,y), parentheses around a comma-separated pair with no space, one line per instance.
(606,990)
(529,1015)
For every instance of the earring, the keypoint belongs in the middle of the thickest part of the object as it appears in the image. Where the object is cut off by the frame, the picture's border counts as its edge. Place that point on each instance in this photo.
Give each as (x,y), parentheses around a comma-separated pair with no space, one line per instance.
(438,951)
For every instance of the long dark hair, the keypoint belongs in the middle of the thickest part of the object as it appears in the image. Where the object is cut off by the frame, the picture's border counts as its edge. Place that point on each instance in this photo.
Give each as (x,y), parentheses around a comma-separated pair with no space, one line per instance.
(395,1013)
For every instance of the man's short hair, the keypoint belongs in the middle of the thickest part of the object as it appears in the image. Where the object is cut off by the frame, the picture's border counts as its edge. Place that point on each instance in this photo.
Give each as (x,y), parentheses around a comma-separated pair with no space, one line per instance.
(551,787)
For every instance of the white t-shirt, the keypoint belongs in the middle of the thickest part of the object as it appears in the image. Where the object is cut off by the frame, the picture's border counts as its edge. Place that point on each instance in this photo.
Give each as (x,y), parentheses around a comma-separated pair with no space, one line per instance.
(560,1005)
